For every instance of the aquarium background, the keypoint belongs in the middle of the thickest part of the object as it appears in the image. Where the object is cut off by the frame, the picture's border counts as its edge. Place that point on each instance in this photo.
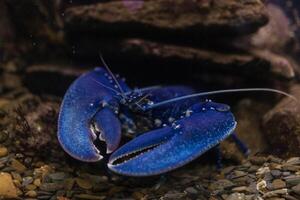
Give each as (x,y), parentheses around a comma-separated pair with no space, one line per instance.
(205,44)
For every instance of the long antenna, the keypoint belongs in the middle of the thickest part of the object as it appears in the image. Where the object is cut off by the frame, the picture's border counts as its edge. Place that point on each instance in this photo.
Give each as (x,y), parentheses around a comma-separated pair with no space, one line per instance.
(220,92)
(117,92)
(145,89)
(113,76)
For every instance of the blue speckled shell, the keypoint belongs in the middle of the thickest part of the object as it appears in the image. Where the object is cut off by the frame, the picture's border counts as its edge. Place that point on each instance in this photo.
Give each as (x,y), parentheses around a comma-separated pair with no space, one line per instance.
(81,102)
(177,145)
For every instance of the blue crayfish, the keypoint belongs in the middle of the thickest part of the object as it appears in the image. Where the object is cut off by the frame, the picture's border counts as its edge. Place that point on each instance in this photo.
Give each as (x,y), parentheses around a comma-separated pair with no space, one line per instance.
(98,104)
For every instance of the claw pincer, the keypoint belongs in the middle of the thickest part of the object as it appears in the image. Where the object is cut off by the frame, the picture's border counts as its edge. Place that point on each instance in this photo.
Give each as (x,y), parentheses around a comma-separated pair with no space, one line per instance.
(89,101)
(172,146)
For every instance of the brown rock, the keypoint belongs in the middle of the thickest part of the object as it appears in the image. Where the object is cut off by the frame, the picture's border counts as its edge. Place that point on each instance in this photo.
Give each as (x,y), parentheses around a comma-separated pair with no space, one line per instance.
(7,188)
(169,17)
(278,184)
(37,182)
(296,189)
(282,125)
(18,166)
(31,194)
(3,151)
(84,183)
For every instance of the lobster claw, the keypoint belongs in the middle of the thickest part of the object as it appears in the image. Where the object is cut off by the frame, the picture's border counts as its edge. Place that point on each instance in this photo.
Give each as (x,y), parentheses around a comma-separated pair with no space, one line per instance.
(82,105)
(109,128)
(170,147)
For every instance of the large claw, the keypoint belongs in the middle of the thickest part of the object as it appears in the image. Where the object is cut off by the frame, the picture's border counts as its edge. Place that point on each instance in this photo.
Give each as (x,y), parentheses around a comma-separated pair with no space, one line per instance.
(81,106)
(168,148)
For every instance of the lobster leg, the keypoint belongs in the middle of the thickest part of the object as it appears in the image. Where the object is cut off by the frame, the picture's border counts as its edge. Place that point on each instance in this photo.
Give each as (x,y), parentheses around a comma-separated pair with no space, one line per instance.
(172,146)
(241,145)
(218,157)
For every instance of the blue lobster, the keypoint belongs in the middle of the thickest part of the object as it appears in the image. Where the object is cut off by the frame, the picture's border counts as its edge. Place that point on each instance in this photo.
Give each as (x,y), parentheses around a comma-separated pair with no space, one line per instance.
(98,104)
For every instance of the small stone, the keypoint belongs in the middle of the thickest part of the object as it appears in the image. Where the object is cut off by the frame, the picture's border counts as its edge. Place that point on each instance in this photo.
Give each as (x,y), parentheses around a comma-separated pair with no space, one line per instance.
(31,187)
(31,194)
(262,171)
(191,190)
(3,152)
(51,187)
(296,189)
(3,135)
(236,196)
(221,184)
(292,180)
(84,183)
(276,173)
(258,160)
(292,168)
(57,176)
(27,180)
(7,187)
(16,176)
(290,197)
(90,197)
(286,173)
(227,170)
(275,193)
(278,184)
(274,159)
(69,183)
(18,166)
(238,174)
(293,161)
(37,182)
(17,183)
(138,195)
(240,189)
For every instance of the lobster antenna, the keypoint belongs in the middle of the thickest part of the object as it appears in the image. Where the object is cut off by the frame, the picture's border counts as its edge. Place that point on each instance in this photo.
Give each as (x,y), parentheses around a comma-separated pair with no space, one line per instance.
(145,89)
(113,76)
(220,92)
(117,92)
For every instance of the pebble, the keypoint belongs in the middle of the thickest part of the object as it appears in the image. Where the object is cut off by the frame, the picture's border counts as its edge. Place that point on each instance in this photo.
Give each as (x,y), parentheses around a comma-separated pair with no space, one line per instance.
(276,173)
(18,166)
(240,189)
(84,183)
(236,196)
(3,152)
(292,180)
(3,135)
(69,183)
(258,160)
(57,176)
(278,184)
(16,176)
(31,187)
(51,187)
(276,193)
(88,196)
(288,167)
(221,184)
(37,182)
(31,194)
(191,190)
(27,180)
(296,189)
(7,187)
(293,161)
